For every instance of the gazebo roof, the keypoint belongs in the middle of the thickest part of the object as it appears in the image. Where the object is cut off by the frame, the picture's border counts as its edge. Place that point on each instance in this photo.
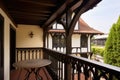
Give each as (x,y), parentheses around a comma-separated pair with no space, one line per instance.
(83,28)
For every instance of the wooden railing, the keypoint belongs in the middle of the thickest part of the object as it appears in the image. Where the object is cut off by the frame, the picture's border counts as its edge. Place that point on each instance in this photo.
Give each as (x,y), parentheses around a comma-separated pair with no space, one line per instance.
(73,49)
(82,68)
(83,54)
(28,53)
(78,52)
(76,49)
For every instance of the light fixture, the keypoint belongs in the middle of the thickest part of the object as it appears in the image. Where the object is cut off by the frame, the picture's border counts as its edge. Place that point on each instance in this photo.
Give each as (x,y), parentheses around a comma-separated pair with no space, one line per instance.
(31,34)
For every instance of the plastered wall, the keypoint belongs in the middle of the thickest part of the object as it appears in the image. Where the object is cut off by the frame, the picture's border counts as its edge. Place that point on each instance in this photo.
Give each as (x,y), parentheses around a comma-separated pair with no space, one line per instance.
(23,39)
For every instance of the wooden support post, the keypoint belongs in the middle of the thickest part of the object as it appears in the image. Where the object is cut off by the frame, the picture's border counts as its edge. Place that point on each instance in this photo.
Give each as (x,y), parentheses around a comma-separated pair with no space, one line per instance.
(45,33)
(44,37)
(68,45)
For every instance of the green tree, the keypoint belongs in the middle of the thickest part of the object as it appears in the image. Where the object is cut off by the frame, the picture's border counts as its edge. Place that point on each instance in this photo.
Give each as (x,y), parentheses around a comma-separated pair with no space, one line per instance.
(112,46)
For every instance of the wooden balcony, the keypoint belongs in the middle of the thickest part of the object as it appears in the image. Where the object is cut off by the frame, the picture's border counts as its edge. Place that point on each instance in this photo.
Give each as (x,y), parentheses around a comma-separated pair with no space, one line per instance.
(80,68)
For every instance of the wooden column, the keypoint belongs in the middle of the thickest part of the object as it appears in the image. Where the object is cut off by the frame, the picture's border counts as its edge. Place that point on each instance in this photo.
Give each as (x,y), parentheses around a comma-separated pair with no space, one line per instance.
(44,37)
(45,33)
(68,35)
(69,28)
(68,44)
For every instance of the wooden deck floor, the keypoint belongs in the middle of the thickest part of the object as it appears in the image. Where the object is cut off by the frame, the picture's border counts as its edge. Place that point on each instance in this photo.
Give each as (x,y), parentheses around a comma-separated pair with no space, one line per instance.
(16,75)
(20,75)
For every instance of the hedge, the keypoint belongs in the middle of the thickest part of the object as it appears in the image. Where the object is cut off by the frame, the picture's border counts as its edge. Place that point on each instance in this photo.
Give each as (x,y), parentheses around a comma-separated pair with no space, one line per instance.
(98,50)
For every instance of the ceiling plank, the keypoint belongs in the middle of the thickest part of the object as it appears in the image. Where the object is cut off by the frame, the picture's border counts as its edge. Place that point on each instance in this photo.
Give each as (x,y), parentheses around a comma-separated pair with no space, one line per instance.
(55,15)
(33,17)
(44,11)
(59,12)
(43,2)
(29,14)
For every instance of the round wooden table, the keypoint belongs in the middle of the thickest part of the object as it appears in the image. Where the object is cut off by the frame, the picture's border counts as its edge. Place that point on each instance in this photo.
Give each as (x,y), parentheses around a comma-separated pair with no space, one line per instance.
(32,66)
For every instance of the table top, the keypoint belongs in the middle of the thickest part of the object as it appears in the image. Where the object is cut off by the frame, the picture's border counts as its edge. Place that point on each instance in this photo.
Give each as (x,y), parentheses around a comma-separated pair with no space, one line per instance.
(34,63)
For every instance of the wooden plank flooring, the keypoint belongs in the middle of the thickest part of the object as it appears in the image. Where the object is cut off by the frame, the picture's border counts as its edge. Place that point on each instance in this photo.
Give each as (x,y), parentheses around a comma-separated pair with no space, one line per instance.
(20,74)
(17,75)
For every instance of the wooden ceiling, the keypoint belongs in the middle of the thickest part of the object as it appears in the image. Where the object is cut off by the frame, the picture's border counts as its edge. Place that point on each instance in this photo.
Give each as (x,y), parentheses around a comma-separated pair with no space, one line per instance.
(39,12)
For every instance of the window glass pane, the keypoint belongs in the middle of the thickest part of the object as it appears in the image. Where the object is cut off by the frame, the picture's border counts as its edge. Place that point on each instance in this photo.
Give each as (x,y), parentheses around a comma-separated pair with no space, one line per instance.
(58,40)
(84,41)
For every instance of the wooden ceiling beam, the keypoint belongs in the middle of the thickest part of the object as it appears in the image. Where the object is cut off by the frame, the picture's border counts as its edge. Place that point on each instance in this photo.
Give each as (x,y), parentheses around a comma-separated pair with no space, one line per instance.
(71,4)
(37,8)
(28,22)
(44,11)
(59,12)
(29,14)
(29,17)
(17,4)
(50,9)
(42,2)
(76,5)
(27,6)
(87,4)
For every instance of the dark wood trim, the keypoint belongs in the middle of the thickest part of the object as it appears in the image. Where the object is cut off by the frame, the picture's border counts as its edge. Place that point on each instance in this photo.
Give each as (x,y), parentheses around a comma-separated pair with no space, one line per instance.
(68,37)
(12,46)
(68,4)
(78,12)
(44,3)
(62,22)
(1,47)
(87,42)
(24,48)
(44,37)
(86,4)
(5,10)
(54,15)
(97,69)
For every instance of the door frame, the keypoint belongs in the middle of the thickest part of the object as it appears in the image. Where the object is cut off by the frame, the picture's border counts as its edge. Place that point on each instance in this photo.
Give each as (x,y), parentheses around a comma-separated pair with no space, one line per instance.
(1,47)
(12,46)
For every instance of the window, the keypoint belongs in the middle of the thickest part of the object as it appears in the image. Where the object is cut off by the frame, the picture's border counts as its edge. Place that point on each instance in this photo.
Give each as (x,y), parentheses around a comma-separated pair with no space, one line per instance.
(84,41)
(58,40)
(57,26)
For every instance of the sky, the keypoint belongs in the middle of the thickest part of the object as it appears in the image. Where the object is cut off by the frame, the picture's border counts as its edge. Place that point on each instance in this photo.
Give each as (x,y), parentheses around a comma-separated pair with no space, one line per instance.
(103,16)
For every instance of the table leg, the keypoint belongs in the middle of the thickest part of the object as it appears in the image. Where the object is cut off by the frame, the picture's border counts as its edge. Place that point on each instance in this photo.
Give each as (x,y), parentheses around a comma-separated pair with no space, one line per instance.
(35,71)
(45,74)
(27,75)
(38,77)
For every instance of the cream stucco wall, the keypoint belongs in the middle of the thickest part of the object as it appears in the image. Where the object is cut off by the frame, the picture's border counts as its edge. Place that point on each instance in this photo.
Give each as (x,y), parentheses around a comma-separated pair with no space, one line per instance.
(24,40)
(76,40)
(7,23)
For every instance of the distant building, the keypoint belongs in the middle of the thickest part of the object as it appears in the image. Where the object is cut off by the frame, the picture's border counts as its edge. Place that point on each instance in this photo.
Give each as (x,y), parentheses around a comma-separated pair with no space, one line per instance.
(100,39)
(81,37)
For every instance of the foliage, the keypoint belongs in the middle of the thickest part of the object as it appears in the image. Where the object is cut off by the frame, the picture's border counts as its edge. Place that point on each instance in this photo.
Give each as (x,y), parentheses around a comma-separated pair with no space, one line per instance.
(112,46)
(98,50)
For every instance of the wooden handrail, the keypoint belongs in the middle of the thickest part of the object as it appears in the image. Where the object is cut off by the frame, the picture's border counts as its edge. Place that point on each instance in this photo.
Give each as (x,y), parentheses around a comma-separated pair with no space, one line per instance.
(28,53)
(79,65)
